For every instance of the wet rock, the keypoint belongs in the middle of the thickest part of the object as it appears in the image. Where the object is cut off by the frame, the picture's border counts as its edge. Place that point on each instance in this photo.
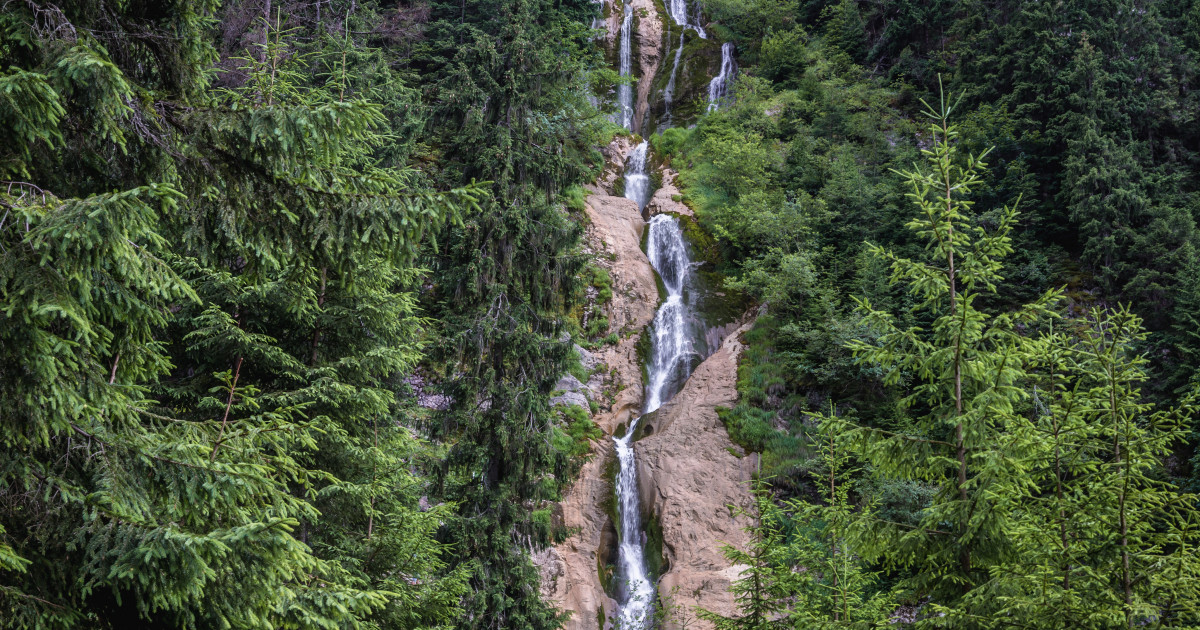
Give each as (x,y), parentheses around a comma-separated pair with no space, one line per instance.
(688,476)
(648,47)
(667,199)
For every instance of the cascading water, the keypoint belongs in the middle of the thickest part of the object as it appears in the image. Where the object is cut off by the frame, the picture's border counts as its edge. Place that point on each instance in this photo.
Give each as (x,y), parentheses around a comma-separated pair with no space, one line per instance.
(673,351)
(671,362)
(598,21)
(671,348)
(637,181)
(719,86)
(669,92)
(679,12)
(638,593)
(625,59)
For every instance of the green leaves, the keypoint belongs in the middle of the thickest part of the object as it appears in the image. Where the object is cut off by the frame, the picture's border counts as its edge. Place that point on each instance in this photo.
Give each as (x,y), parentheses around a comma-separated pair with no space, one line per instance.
(30,112)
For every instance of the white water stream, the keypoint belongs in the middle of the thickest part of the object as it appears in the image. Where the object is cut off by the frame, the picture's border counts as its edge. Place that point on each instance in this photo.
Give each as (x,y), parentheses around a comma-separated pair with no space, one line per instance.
(625,68)
(637,181)
(719,86)
(671,360)
(679,12)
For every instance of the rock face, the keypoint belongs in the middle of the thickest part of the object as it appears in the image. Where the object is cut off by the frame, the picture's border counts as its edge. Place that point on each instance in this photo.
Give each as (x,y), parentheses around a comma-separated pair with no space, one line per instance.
(688,476)
(614,167)
(648,47)
(688,471)
(664,199)
(571,570)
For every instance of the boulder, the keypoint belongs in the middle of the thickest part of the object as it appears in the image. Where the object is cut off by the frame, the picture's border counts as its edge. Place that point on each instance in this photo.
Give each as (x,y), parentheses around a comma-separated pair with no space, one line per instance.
(574,399)
(568,383)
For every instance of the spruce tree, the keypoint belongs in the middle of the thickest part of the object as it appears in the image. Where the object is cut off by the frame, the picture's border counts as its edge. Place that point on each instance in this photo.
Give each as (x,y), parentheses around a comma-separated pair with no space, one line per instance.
(1104,541)
(964,369)
(510,86)
(764,587)
(206,301)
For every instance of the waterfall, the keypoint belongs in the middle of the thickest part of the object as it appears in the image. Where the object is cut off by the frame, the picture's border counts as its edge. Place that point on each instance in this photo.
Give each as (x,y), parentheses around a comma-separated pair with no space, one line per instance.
(669,93)
(679,12)
(639,592)
(625,90)
(598,21)
(637,182)
(671,351)
(670,364)
(719,86)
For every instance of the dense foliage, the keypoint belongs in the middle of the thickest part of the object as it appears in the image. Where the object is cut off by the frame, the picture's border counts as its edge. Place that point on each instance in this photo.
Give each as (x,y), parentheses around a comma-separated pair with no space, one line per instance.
(230,231)
(974,387)
(286,286)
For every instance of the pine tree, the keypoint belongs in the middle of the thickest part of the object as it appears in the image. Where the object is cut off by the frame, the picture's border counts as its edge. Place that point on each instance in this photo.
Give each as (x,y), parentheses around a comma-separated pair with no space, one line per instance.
(836,586)
(1104,542)
(964,370)
(206,306)
(764,587)
(801,567)
(510,86)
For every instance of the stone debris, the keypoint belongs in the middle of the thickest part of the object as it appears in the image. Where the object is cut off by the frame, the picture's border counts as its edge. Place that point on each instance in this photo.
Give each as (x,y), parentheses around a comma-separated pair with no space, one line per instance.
(427,399)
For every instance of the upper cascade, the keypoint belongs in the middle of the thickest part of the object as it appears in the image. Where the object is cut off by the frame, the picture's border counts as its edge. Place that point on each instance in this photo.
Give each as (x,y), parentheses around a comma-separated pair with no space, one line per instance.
(719,86)
(679,12)
(625,68)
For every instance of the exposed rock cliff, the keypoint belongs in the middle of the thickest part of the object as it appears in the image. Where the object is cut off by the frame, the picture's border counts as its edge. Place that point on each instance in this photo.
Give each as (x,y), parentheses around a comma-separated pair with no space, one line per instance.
(689,475)
(571,571)
(648,46)
(667,198)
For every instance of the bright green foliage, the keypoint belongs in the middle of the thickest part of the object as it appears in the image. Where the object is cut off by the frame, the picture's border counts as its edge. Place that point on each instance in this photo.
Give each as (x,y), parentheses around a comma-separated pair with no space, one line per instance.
(763,587)
(1103,542)
(802,568)
(964,371)
(837,589)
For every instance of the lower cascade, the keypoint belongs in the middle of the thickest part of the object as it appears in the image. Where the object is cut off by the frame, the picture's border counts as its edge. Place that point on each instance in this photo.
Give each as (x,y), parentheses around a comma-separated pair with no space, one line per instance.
(638,592)
(670,364)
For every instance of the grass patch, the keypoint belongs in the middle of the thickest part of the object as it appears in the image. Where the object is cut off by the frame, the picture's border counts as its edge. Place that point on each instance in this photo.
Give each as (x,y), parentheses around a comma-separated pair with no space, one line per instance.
(761,422)
(573,437)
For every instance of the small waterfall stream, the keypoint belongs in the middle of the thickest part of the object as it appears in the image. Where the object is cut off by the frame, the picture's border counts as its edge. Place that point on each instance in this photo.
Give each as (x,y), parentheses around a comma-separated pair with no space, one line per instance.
(671,353)
(669,92)
(625,61)
(679,13)
(719,86)
(638,600)
(637,181)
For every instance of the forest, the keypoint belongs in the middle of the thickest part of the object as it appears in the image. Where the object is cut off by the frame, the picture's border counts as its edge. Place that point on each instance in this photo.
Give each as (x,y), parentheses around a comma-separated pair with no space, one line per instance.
(290,289)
